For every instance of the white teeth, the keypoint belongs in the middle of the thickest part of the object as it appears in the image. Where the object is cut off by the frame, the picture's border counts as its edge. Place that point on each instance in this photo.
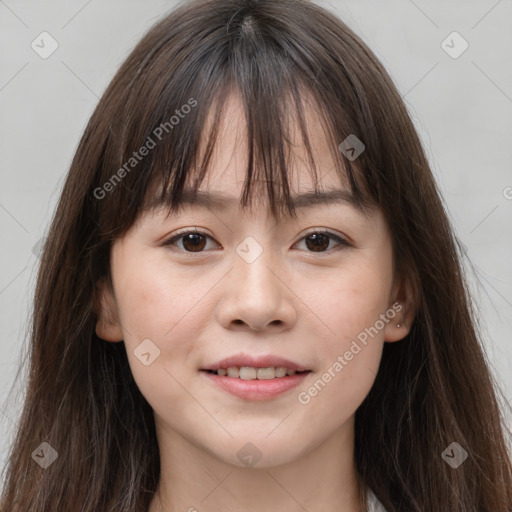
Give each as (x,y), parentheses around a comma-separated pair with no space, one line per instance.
(250,373)
(266,373)
(280,372)
(233,371)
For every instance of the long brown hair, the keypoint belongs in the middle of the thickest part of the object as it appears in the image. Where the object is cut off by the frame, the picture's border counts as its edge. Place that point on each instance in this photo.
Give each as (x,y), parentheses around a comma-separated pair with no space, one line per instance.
(433,388)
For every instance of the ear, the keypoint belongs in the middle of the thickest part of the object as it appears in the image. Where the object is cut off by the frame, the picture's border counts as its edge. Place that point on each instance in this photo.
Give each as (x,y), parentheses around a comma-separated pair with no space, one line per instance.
(108,326)
(404,303)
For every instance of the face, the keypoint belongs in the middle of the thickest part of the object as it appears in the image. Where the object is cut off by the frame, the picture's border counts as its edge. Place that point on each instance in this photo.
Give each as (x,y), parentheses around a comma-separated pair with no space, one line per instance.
(248,285)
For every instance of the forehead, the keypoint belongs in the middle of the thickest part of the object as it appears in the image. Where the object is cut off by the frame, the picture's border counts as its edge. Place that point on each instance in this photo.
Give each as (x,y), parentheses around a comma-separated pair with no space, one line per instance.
(227,170)
(303,164)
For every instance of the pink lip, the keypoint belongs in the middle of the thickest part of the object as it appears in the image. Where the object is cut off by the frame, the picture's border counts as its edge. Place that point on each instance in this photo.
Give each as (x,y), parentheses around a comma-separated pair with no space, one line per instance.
(256,389)
(256,362)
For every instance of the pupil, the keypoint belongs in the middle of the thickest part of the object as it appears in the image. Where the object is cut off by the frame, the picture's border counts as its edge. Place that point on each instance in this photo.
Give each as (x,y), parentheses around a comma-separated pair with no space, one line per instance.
(195,240)
(319,240)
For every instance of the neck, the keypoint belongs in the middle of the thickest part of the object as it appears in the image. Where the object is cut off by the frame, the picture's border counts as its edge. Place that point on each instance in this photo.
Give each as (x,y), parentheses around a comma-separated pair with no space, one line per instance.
(321,478)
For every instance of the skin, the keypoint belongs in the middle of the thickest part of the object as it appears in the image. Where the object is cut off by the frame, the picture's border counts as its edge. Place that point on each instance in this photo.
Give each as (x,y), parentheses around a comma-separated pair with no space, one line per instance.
(291,301)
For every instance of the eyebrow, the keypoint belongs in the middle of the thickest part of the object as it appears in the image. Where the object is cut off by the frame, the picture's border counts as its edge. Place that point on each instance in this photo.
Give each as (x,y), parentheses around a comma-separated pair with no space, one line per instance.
(220,202)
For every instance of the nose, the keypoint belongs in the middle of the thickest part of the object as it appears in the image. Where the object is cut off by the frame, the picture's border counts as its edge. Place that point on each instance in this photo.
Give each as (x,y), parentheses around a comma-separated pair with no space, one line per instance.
(256,295)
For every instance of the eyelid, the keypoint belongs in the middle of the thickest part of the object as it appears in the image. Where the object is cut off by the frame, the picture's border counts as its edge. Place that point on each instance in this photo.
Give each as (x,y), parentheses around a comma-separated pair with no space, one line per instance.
(327,231)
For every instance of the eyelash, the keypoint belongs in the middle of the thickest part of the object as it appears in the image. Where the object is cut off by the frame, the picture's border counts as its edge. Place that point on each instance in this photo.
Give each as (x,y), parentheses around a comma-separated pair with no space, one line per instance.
(342,242)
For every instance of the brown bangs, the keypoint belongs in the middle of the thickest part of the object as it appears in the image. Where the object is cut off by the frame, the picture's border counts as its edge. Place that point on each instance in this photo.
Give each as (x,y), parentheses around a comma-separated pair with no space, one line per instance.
(177,108)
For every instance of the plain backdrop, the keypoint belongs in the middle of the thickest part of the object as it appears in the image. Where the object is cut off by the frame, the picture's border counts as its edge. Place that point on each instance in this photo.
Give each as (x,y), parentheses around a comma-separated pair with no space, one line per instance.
(462,108)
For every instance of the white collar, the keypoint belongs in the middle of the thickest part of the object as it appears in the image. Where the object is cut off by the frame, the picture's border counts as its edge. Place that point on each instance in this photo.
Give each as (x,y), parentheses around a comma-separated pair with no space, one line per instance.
(374,505)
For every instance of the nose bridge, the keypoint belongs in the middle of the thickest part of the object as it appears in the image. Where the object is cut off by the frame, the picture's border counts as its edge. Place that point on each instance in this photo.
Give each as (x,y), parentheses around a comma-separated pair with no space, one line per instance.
(256,294)
(255,267)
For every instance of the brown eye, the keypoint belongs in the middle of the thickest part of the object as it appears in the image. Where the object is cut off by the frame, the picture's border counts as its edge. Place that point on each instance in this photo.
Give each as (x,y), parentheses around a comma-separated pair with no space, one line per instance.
(191,241)
(319,241)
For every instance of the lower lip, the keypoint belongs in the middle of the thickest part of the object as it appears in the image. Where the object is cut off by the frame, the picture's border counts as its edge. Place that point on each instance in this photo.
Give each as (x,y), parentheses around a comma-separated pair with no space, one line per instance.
(256,389)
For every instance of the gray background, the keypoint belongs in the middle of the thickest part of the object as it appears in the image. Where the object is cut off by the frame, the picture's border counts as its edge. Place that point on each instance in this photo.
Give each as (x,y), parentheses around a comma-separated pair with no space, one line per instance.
(461,107)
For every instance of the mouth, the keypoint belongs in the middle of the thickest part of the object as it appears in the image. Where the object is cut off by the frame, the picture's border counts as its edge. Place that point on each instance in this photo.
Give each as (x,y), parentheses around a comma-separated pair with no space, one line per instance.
(256,373)
(256,383)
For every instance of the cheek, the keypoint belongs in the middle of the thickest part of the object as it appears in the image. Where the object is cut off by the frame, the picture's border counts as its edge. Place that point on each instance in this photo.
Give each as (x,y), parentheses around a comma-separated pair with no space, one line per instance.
(169,308)
(354,301)
(157,302)
(352,307)
(350,355)
(158,305)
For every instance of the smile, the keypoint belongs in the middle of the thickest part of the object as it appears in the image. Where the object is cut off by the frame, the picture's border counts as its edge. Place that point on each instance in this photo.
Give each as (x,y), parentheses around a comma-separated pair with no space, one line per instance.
(252,373)
(252,383)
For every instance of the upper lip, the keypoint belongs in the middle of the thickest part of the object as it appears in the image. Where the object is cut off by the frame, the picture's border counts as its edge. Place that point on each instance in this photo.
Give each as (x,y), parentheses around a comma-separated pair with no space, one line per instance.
(255,362)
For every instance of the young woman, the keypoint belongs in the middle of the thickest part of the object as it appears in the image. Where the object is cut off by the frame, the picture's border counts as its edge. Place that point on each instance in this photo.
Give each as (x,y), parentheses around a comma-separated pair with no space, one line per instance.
(251,296)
